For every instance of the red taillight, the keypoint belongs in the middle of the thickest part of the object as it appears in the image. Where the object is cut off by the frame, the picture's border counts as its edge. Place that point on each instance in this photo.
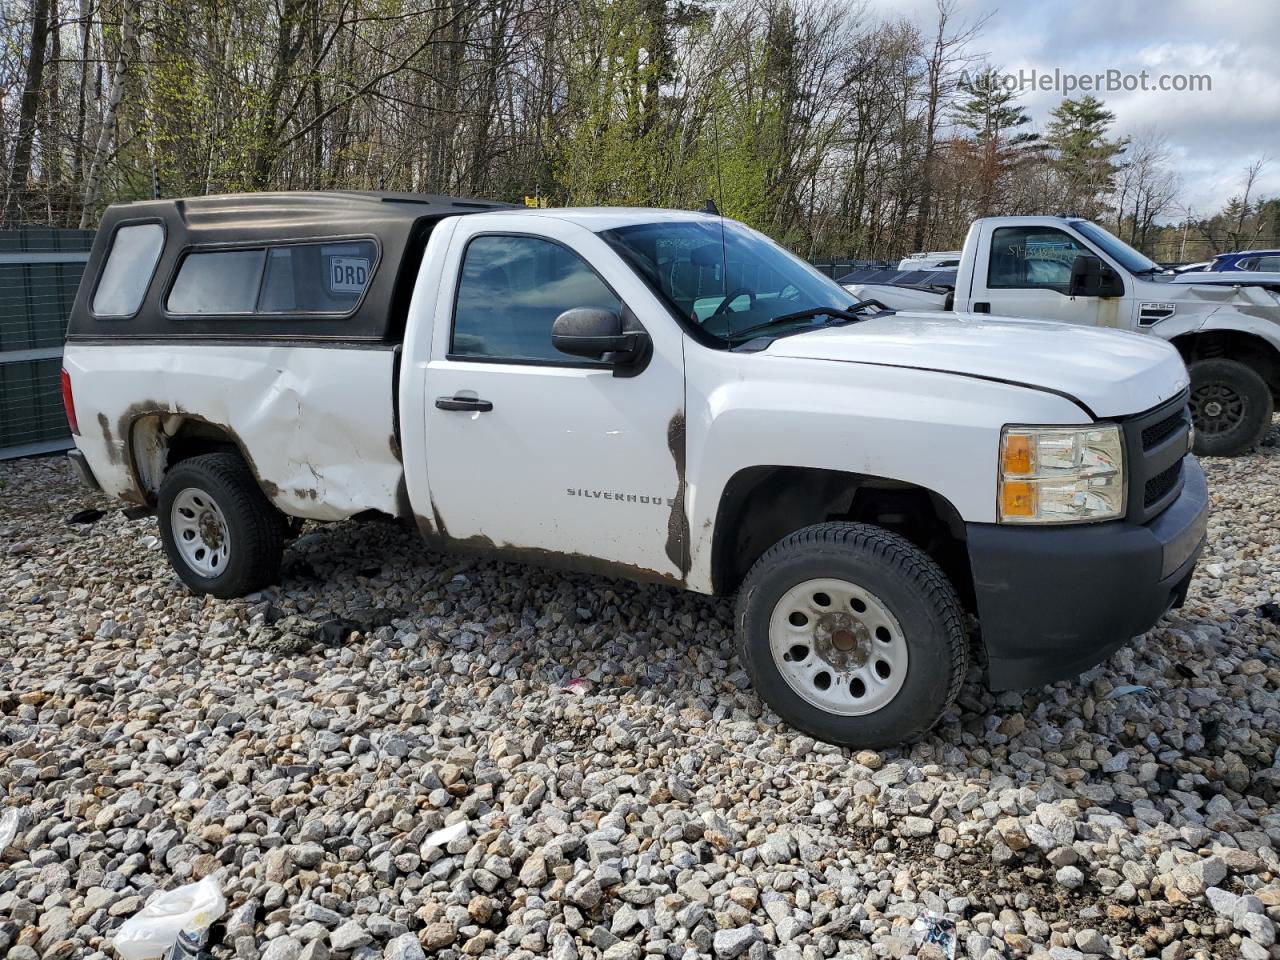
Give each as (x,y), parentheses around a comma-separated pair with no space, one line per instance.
(69,402)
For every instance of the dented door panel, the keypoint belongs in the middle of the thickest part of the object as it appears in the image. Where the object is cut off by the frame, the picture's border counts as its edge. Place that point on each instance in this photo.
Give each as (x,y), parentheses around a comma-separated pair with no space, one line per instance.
(314,423)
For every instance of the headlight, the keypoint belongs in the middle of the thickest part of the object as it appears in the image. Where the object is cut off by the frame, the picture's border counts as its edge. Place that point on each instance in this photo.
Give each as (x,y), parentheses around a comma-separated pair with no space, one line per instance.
(1061,474)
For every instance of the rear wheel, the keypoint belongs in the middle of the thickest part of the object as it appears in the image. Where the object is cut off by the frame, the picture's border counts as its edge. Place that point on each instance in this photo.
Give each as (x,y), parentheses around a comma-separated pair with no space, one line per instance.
(1231,407)
(852,634)
(221,533)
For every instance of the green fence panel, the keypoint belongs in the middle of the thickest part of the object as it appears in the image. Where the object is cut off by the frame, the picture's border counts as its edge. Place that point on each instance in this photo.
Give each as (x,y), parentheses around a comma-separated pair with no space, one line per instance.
(37,288)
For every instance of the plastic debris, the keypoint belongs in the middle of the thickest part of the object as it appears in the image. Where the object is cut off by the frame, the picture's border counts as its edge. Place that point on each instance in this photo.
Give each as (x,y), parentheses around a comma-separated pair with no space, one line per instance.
(155,929)
(92,515)
(445,836)
(333,633)
(931,928)
(1124,690)
(13,822)
(188,945)
(579,686)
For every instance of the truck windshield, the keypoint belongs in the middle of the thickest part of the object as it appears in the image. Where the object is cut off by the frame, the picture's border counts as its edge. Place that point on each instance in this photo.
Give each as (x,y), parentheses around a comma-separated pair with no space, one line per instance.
(1117,249)
(728,283)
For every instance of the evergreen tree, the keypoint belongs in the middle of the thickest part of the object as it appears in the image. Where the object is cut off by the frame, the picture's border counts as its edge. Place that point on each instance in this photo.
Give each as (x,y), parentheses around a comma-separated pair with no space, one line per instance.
(1085,160)
(990,110)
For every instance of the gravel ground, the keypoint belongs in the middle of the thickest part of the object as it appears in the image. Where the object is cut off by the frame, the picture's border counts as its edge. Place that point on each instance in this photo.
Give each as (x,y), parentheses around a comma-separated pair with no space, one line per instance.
(618,790)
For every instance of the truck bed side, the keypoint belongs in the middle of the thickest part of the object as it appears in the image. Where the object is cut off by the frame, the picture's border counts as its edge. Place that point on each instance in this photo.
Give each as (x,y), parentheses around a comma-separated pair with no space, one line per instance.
(315,423)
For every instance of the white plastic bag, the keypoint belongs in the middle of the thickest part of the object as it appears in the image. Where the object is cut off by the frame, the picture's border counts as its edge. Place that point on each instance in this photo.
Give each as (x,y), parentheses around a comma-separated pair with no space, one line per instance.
(12,823)
(153,930)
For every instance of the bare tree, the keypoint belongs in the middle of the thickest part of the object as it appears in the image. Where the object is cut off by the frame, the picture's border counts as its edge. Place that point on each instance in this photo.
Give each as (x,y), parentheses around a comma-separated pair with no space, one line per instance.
(31,91)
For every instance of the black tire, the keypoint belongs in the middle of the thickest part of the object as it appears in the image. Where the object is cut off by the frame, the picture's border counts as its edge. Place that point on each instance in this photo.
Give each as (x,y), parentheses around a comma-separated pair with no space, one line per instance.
(1231,407)
(906,582)
(255,527)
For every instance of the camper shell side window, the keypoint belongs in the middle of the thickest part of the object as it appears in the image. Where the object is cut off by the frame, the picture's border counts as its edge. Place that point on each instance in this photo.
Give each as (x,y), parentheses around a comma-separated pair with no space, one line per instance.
(311,279)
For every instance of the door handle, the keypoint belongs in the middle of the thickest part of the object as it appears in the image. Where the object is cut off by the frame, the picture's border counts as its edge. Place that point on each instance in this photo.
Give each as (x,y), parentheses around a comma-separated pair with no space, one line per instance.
(472,404)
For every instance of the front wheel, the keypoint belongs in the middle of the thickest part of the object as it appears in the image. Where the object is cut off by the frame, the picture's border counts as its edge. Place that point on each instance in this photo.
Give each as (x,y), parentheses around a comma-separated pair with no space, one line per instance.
(1231,407)
(852,634)
(221,533)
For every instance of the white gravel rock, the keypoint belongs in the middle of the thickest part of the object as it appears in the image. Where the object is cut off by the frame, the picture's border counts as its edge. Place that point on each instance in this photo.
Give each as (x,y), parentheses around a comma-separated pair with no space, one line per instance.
(500,761)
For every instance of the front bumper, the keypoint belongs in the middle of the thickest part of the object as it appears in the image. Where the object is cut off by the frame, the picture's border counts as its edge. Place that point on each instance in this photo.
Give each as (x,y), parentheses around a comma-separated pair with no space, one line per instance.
(1054,601)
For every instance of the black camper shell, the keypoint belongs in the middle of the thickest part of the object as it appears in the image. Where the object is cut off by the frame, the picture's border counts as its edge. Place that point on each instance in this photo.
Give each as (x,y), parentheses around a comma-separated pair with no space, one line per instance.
(388,230)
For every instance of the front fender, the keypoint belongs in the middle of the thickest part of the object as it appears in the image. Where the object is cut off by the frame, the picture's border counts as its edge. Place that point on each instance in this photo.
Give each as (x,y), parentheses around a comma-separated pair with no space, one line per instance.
(934,430)
(1259,320)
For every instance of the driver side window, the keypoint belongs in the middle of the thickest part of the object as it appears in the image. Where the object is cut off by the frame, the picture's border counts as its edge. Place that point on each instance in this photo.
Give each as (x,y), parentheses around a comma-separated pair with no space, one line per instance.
(511,291)
(1032,258)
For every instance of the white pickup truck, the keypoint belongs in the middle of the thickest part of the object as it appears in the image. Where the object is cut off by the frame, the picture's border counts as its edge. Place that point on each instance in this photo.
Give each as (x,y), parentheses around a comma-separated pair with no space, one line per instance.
(656,395)
(1226,326)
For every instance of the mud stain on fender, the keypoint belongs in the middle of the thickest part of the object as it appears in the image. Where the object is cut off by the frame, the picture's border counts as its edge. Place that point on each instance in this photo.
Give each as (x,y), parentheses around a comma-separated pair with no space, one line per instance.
(404,509)
(678,520)
(440,529)
(104,424)
(424,526)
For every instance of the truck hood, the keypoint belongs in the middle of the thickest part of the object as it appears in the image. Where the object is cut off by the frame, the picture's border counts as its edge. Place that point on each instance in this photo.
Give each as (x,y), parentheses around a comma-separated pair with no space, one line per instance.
(1108,372)
(1234,278)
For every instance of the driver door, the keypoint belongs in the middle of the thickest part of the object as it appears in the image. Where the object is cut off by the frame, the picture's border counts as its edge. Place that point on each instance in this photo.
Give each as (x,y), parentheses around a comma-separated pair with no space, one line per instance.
(538,452)
(1028,274)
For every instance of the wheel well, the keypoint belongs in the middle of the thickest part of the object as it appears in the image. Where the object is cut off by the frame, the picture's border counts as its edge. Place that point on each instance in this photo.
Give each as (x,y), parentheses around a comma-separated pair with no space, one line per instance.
(159,441)
(1248,348)
(761,505)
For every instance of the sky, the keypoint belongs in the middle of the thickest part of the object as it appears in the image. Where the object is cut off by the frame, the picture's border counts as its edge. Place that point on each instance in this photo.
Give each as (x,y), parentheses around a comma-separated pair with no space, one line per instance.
(1213,135)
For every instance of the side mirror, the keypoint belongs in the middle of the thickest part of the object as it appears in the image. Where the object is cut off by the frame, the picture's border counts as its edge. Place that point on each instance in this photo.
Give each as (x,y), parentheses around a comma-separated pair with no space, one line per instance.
(1090,277)
(599,335)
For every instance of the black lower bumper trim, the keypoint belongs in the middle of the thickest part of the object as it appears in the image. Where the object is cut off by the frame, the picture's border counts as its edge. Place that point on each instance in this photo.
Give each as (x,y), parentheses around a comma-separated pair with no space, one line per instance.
(1054,601)
(83,470)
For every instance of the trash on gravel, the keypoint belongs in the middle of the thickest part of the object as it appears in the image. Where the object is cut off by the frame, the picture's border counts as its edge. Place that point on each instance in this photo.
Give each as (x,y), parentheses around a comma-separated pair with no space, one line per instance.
(579,686)
(187,946)
(92,515)
(155,929)
(15,819)
(332,633)
(931,928)
(445,836)
(1124,690)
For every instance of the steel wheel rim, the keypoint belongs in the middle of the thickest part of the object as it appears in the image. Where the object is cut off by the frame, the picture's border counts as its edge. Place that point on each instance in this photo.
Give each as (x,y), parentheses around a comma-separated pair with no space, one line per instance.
(847,656)
(200,532)
(1216,408)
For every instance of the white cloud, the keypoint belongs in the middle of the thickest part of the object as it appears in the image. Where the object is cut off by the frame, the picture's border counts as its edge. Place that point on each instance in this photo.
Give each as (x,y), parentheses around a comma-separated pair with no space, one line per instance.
(1213,134)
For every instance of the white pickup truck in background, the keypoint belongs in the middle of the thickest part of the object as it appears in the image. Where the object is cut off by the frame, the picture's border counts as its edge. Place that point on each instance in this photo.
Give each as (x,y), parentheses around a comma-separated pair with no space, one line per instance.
(1226,326)
(656,395)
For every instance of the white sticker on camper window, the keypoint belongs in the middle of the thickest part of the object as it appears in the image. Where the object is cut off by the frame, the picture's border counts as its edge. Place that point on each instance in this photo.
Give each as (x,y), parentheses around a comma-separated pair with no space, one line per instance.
(348,274)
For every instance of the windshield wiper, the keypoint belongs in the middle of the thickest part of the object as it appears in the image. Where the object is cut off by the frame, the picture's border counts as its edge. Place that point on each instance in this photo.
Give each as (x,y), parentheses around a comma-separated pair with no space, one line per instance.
(850,315)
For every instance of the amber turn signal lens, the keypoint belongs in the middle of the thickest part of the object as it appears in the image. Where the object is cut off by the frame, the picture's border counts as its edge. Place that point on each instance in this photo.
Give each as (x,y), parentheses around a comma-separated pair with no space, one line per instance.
(1017,455)
(1018,499)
